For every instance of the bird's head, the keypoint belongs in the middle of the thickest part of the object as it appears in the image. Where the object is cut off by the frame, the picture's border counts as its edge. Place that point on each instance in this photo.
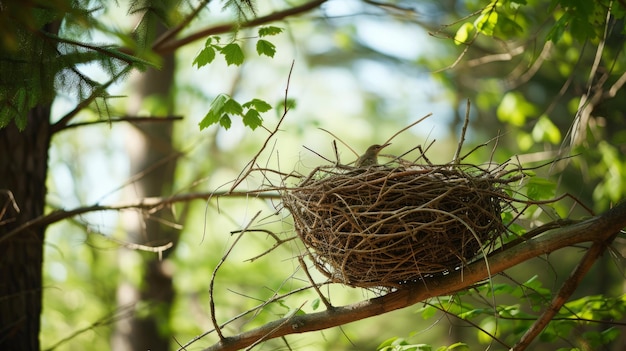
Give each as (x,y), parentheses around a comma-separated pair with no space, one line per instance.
(375,149)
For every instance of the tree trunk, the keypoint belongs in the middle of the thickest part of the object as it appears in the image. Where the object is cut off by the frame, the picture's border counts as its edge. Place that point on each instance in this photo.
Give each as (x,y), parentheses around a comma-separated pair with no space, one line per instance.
(23,168)
(153,157)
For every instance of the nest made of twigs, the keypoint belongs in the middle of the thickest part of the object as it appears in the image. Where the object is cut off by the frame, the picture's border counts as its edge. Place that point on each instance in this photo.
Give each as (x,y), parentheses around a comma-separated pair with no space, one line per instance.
(384,227)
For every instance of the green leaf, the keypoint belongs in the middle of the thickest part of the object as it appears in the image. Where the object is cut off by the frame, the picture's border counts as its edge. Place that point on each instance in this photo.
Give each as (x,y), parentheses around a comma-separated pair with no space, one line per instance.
(427,312)
(315,304)
(515,109)
(387,343)
(474,312)
(258,104)
(487,21)
(206,56)
(252,119)
(541,188)
(216,110)
(264,47)
(557,30)
(270,30)
(464,33)
(545,130)
(459,346)
(225,121)
(231,106)
(610,335)
(233,54)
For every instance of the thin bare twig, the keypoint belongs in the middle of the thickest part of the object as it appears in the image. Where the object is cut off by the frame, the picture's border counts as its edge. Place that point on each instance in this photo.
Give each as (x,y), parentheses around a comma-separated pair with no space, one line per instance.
(217,267)
(252,163)
(455,159)
(341,141)
(407,127)
(314,284)
(97,92)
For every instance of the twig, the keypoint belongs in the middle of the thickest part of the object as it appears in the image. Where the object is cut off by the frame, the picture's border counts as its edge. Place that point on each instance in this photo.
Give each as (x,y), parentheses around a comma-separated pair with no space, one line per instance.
(242,314)
(407,127)
(130,119)
(252,162)
(10,202)
(318,154)
(269,333)
(180,27)
(341,141)
(314,284)
(477,326)
(97,92)
(276,244)
(217,267)
(457,154)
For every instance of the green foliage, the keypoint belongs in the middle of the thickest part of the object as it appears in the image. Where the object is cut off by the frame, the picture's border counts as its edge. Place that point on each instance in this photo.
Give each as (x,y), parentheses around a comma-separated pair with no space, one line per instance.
(232,52)
(612,171)
(264,47)
(242,8)
(224,106)
(464,33)
(488,19)
(585,20)
(539,188)
(41,66)
(400,344)
(515,109)
(269,31)
(582,19)
(513,320)
(545,131)
(207,54)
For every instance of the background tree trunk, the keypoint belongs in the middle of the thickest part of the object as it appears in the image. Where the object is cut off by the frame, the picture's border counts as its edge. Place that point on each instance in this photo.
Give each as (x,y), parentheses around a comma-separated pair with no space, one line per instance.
(153,159)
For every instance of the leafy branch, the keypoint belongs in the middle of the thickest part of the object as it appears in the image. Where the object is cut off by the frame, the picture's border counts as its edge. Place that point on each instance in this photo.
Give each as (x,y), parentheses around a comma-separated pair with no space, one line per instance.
(169,45)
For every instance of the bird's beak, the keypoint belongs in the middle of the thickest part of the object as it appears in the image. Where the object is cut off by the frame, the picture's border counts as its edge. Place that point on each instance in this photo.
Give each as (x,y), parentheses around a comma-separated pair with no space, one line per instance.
(384,146)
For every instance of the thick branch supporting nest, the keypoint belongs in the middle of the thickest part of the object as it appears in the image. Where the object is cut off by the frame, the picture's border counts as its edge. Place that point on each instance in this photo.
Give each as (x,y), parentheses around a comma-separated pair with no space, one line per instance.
(384,227)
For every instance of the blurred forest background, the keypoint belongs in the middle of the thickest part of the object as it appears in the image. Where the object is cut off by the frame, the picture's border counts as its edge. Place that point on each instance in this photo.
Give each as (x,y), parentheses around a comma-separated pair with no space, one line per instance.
(122,123)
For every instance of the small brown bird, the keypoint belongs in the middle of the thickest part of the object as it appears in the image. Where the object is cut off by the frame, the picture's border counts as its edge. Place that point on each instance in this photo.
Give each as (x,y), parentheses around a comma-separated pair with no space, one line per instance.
(370,157)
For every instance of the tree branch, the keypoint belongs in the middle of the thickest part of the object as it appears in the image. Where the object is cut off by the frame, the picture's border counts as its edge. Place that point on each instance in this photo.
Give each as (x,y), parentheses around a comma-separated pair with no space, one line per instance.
(130,119)
(598,229)
(566,291)
(167,46)
(143,204)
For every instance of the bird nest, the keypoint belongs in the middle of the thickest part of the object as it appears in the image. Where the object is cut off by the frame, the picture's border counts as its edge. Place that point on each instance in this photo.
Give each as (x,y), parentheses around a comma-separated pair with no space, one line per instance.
(385,227)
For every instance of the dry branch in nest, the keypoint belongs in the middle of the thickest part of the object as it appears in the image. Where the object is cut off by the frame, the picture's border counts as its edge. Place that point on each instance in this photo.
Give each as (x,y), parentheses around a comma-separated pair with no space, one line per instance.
(389,226)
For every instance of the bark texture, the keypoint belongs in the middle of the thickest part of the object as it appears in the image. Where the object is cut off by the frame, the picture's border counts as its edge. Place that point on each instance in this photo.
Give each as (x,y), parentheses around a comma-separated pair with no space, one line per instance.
(23,168)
